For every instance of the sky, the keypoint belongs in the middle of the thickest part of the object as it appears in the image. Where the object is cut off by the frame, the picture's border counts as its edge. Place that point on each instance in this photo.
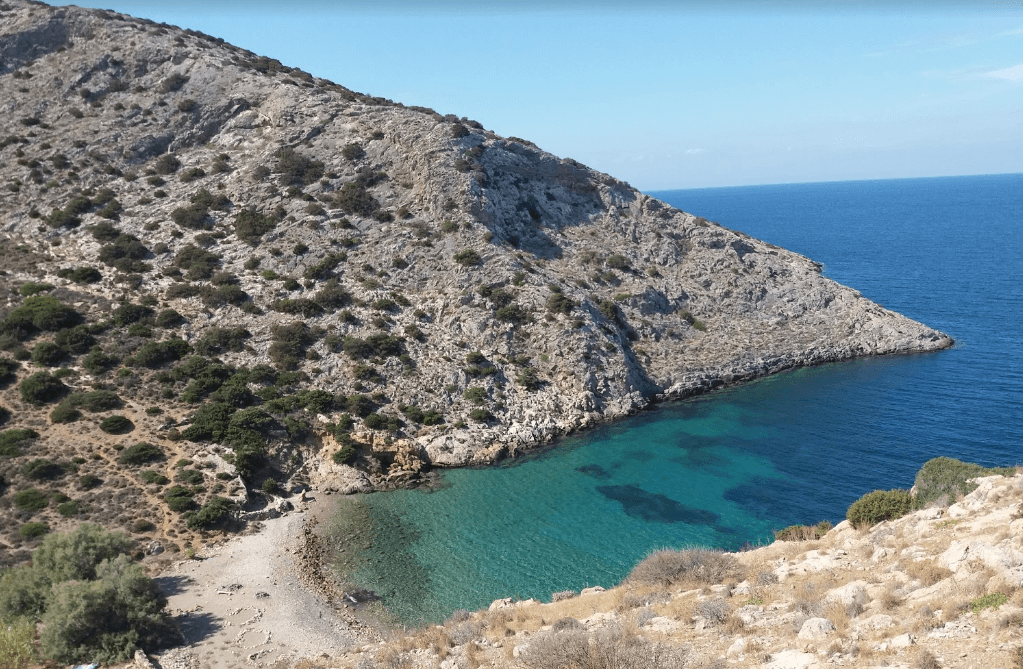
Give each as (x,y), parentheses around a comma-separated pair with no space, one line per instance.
(674,95)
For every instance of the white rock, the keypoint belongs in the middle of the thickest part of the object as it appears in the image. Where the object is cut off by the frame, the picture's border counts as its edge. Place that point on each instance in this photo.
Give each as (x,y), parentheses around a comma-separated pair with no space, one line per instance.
(903,641)
(591,591)
(792,659)
(737,648)
(854,592)
(501,604)
(816,628)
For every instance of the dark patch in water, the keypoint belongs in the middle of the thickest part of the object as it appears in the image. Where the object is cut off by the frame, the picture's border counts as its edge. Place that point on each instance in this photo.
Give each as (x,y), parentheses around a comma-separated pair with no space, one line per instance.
(596,471)
(655,508)
(765,498)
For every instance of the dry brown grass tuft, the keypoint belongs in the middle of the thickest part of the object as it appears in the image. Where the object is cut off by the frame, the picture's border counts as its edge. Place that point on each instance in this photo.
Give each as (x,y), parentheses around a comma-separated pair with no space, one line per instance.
(838,614)
(925,659)
(695,566)
(926,571)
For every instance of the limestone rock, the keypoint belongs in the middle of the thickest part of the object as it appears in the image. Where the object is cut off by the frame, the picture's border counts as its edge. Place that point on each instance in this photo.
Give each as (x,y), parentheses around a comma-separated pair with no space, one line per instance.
(815,629)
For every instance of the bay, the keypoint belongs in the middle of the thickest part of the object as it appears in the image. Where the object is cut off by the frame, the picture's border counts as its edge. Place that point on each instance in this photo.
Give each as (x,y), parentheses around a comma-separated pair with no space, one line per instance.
(729,468)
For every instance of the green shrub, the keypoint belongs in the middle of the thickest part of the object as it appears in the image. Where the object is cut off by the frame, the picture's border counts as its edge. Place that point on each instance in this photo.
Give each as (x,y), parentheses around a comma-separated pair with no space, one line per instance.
(220,340)
(179,499)
(65,413)
(41,469)
(97,362)
(475,394)
(116,425)
(12,440)
(618,261)
(296,169)
(168,163)
(140,453)
(192,477)
(125,253)
(89,481)
(377,421)
(105,619)
(480,415)
(879,506)
(944,480)
(297,307)
(289,344)
(198,262)
(803,532)
(156,354)
(209,422)
(169,318)
(512,313)
(154,477)
(17,650)
(74,340)
(324,268)
(250,225)
(8,368)
(345,454)
(355,198)
(32,288)
(529,379)
(38,312)
(33,530)
(989,601)
(31,500)
(48,354)
(193,217)
(211,514)
(468,258)
(69,508)
(560,303)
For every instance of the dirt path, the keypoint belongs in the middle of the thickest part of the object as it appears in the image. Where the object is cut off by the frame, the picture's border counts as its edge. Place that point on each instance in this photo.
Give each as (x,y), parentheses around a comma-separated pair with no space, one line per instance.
(256,599)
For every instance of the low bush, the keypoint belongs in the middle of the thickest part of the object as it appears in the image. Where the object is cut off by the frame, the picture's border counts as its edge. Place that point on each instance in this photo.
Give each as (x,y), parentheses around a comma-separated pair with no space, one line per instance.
(42,388)
(481,415)
(695,566)
(945,480)
(879,506)
(65,413)
(140,453)
(12,441)
(156,354)
(179,499)
(475,394)
(41,469)
(154,477)
(75,340)
(31,500)
(17,648)
(250,225)
(296,169)
(38,312)
(560,303)
(378,421)
(609,647)
(48,354)
(33,530)
(345,454)
(198,262)
(169,318)
(8,368)
(803,532)
(467,258)
(116,425)
(211,514)
(529,379)
(89,481)
(69,508)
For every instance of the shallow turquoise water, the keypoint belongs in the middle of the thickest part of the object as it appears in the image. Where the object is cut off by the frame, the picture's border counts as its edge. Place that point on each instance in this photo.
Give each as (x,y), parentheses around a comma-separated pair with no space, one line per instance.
(733,466)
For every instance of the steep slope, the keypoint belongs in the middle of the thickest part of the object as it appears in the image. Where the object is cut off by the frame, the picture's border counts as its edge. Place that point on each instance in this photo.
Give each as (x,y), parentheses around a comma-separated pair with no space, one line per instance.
(281,278)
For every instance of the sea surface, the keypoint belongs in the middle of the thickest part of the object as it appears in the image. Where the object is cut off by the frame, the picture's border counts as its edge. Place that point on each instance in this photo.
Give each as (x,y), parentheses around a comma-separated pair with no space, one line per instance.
(730,467)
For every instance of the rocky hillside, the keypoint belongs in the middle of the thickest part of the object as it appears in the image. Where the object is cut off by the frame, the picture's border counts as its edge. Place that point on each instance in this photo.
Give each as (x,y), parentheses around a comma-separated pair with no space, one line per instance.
(939,588)
(267,279)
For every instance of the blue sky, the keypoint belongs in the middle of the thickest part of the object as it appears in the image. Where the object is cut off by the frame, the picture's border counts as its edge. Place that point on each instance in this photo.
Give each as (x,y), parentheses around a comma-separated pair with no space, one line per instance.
(675,95)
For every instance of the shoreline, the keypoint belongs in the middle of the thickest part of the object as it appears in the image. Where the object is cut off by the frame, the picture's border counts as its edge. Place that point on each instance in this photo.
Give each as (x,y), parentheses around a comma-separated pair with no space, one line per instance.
(263,597)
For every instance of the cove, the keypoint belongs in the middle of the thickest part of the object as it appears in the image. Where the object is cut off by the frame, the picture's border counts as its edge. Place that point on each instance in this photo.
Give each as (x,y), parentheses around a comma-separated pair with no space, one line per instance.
(730,467)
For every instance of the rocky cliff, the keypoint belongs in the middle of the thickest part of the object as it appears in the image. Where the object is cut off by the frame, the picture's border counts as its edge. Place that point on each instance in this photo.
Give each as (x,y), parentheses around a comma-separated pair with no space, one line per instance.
(256,261)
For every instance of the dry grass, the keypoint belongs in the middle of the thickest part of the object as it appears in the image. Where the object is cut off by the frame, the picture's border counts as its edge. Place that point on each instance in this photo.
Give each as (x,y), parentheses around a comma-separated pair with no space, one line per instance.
(926,571)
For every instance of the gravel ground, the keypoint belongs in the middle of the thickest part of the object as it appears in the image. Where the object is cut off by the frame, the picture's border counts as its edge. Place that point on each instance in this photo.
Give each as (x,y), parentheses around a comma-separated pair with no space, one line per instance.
(251,601)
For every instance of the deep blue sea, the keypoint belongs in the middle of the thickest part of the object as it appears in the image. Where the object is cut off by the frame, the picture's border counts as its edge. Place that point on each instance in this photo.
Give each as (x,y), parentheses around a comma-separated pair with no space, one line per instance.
(732,466)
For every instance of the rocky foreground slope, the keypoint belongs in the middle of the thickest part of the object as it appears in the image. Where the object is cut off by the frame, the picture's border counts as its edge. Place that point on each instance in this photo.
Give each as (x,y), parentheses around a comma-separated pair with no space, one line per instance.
(273,280)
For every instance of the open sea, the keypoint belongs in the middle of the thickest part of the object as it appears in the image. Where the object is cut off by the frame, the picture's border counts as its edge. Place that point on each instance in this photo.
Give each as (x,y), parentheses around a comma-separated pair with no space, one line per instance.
(730,467)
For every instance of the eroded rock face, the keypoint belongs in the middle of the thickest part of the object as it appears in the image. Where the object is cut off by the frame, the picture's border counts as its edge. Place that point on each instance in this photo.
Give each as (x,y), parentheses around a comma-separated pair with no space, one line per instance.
(584,298)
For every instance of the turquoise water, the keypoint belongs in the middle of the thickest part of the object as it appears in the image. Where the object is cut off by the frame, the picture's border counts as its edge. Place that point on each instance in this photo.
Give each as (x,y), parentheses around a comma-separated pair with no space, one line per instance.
(730,467)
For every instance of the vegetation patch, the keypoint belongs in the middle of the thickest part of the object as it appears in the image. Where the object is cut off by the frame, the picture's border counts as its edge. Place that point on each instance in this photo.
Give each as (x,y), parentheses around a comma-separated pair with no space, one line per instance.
(879,506)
